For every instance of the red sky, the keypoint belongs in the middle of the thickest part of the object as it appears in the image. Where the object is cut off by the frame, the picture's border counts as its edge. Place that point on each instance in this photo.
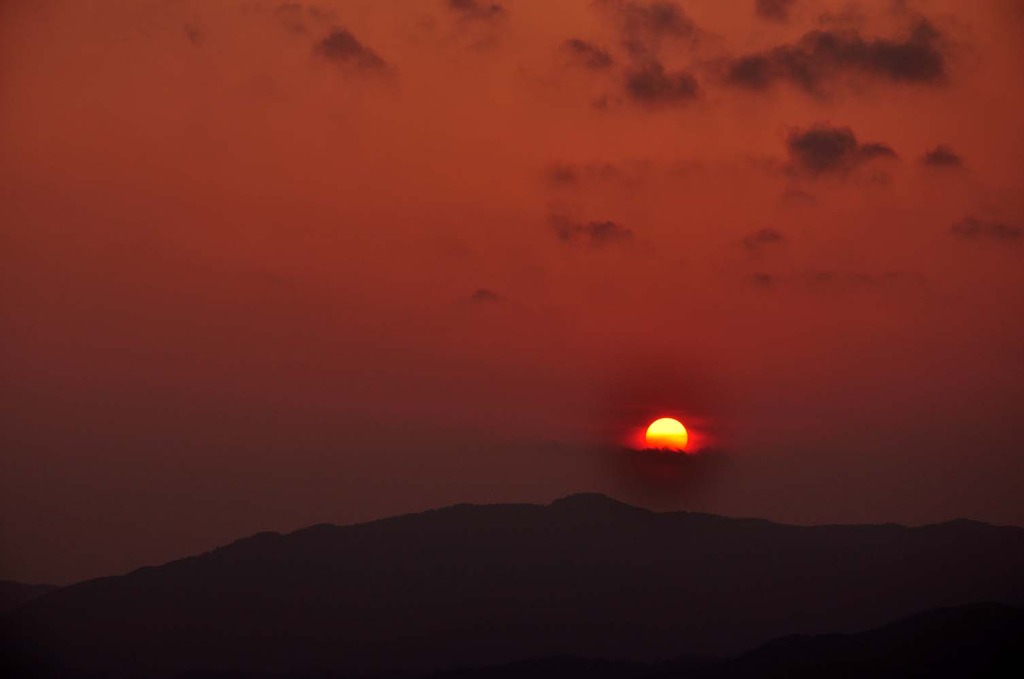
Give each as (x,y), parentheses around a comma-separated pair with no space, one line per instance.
(272,264)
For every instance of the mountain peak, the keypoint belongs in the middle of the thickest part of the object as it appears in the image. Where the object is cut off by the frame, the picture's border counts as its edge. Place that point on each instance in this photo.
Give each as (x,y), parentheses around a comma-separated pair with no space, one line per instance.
(594,502)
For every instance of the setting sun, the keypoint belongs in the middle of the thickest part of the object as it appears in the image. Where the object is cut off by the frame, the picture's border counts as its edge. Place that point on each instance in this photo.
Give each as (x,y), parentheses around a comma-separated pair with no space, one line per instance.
(667,433)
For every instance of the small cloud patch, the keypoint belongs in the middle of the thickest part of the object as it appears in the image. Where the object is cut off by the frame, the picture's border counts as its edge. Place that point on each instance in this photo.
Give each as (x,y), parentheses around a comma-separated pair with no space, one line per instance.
(646,26)
(822,150)
(942,156)
(651,84)
(564,175)
(589,55)
(773,10)
(762,238)
(342,47)
(485,296)
(974,229)
(194,34)
(823,56)
(477,10)
(594,234)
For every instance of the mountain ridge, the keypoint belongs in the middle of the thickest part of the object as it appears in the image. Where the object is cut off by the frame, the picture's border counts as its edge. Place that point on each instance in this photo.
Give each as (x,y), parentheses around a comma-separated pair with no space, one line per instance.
(571,500)
(14,594)
(480,584)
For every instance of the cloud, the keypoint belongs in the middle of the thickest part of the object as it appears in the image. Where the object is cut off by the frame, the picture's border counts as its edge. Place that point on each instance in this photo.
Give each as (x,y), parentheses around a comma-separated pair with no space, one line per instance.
(974,229)
(645,25)
(477,10)
(857,280)
(822,150)
(342,47)
(773,10)
(824,55)
(562,175)
(763,237)
(485,296)
(942,156)
(650,84)
(794,196)
(657,17)
(876,150)
(594,234)
(194,34)
(565,175)
(294,15)
(832,281)
(588,54)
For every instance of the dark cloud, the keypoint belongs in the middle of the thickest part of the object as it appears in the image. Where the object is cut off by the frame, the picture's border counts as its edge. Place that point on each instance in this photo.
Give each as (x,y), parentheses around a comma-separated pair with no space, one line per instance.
(659,17)
(485,296)
(664,475)
(876,150)
(295,15)
(588,54)
(824,55)
(645,25)
(477,10)
(831,281)
(974,229)
(341,46)
(649,83)
(773,10)
(564,175)
(595,234)
(824,150)
(848,16)
(942,156)
(763,237)
(858,280)
(292,16)
(794,196)
(320,13)
(194,34)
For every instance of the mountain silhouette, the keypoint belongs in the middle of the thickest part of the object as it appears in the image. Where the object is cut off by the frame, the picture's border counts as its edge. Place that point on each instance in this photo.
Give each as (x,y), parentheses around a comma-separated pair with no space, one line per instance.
(977,640)
(14,594)
(468,585)
(981,640)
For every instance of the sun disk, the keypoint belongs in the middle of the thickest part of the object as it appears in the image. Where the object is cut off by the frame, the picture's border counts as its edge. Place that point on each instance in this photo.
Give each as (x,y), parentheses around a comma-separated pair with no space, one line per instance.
(667,433)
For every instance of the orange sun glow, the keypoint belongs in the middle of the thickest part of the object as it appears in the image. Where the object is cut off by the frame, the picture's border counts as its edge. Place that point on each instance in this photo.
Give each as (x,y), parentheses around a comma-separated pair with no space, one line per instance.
(667,433)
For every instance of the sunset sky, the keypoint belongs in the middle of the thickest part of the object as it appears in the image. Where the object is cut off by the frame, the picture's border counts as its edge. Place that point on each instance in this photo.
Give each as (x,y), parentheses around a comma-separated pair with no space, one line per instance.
(268,264)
